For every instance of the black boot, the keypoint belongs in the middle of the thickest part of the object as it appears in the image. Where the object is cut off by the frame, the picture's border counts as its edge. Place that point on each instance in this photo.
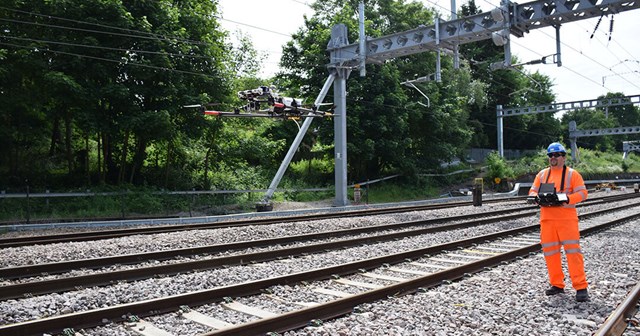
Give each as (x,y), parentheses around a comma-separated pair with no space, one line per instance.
(553,290)
(582,295)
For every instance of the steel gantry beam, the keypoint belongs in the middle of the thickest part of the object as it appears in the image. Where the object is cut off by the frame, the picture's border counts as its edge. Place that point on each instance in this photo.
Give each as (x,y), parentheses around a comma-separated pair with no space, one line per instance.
(498,24)
(629,146)
(575,133)
(603,103)
(572,105)
(518,18)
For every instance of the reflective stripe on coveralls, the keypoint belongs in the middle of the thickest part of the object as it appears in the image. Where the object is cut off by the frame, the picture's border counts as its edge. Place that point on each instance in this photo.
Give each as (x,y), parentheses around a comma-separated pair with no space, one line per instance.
(559,227)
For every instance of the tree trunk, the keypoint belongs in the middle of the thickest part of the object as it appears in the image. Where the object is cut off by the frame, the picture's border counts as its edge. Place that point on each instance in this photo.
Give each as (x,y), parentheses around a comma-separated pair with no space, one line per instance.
(68,140)
(13,159)
(206,185)
(207,159)
(138,158)
(55,136)
(167,164)
(100,170)
(123,157)
(86,160)
(110,166)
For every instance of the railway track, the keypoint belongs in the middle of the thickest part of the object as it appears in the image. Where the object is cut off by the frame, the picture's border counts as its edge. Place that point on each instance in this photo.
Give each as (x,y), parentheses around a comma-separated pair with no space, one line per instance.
(202,223)
(66,283)
(499,250)
(623,316)
(169,225)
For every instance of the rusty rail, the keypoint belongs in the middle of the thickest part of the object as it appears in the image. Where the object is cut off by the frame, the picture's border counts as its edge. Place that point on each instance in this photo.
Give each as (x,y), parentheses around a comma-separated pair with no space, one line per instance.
(617,322)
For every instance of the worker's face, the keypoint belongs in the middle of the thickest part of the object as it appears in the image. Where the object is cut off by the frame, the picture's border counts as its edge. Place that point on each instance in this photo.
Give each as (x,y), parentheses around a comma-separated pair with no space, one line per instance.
(556,159)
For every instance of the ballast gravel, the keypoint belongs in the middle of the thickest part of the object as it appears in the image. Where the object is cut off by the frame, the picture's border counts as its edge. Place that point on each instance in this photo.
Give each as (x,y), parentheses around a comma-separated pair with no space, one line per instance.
(37,254)
(507,300)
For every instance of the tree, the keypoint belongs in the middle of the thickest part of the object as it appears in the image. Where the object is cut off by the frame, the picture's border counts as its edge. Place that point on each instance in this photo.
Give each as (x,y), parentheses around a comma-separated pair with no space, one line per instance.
(509,88)
(106,80)
(386,130)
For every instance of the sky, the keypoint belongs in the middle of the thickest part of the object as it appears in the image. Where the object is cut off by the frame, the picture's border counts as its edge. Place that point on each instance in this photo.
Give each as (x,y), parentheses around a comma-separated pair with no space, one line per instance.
(590,66)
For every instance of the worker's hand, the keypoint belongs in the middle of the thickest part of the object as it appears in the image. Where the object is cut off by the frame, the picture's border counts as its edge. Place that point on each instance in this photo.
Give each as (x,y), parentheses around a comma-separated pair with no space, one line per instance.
(549,200)
(533,200)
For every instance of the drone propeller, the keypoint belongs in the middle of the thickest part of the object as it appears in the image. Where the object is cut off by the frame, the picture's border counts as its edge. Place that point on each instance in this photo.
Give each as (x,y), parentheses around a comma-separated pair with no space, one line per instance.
(201,105)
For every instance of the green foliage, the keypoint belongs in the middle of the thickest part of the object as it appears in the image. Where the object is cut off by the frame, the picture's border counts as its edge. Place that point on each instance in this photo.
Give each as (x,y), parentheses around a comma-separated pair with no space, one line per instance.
(509,89)
(530,164)
(399,190)
(388,131)
(592,162)
(120,92)
(110,203)
(595,162)
(497,167)
(313,172)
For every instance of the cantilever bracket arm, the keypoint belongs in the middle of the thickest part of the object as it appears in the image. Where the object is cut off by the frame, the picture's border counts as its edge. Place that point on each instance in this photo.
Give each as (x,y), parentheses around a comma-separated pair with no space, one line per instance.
(408,83)
(296,142)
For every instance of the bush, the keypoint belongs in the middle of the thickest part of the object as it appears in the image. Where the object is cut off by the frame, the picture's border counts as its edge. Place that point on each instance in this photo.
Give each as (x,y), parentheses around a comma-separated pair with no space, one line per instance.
(314,171)
(498,168)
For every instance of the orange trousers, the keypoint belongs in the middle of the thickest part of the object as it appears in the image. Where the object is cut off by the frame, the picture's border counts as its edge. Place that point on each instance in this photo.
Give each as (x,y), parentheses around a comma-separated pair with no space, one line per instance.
(555,234)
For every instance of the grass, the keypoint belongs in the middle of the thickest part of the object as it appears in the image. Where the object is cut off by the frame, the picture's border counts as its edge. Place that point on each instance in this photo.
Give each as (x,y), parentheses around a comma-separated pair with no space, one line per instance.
(389,192)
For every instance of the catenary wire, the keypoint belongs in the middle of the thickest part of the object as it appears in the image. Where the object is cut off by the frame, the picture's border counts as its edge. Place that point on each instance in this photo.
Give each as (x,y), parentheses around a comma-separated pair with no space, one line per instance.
(593,60)
(107,59)
(159,36)
(162,67)
(256,27)
(575,72)
(105,48)
(163,37)
(290,35)
(525,47)
(155,36)
(125,35)
(79,29)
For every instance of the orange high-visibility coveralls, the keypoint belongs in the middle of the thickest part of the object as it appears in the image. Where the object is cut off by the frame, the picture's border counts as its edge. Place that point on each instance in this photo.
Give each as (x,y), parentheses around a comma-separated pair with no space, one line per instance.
(559,226)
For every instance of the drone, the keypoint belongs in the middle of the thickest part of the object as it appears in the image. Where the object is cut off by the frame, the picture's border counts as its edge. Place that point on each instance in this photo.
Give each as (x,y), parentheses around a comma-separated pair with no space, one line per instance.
(265,102)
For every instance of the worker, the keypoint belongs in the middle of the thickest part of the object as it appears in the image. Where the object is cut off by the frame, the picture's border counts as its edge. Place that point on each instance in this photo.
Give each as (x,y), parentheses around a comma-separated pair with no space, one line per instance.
(559,221)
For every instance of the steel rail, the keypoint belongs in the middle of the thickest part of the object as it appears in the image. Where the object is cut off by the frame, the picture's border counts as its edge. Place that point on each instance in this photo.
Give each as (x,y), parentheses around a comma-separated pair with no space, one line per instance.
(24,271)
(16,272)
(107,234)
(301,318)
(102,279)
(296,319)
(617,322)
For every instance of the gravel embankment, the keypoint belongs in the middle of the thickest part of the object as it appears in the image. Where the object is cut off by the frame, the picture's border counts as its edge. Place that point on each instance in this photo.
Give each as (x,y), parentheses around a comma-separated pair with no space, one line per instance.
(511,302)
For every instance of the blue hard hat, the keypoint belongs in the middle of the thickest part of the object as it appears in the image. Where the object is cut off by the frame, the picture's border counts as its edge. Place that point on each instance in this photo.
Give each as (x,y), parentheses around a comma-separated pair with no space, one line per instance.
(556,147)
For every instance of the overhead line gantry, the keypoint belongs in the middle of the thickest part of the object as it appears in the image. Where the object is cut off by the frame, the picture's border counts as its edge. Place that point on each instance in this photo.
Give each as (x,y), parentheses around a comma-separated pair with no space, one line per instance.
(498,25)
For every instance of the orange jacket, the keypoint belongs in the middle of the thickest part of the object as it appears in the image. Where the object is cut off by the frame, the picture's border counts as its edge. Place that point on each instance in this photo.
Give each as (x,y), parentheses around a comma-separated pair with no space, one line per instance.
(573,187)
